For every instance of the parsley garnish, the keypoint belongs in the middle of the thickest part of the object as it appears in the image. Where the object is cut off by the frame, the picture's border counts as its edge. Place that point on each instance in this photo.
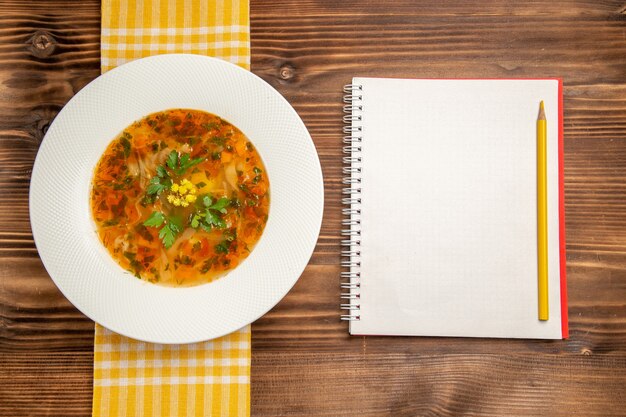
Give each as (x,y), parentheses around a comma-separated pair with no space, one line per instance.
(161,171)
(172,160)
(171,227)
(181,163)
(156,219)
(219,204)
(210,213)
(159,183)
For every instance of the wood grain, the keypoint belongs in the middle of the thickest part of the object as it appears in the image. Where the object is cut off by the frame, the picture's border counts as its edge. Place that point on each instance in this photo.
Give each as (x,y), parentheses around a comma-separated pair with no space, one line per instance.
(304,362)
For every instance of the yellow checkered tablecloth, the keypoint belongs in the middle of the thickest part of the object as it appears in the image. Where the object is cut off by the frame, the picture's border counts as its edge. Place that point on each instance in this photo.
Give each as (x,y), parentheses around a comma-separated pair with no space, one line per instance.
(136,29)
(133,378)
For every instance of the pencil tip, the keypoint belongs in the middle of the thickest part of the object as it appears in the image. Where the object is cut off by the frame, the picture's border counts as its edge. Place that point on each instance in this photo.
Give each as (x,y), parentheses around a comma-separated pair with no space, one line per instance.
(542,112)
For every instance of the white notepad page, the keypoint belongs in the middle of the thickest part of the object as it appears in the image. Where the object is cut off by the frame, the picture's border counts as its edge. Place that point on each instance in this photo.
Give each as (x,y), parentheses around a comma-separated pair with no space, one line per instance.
(449,222)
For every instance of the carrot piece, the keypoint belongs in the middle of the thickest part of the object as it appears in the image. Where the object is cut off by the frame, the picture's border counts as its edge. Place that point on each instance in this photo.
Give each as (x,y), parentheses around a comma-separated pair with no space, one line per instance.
(226,157)
(240,147)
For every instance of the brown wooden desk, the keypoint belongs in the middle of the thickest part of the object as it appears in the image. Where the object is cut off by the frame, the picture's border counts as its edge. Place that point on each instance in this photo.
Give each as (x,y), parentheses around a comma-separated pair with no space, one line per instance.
(303,361)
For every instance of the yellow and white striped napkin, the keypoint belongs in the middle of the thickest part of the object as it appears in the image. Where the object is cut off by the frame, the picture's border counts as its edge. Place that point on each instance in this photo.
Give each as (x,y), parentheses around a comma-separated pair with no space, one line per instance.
(134,29)
(133,378)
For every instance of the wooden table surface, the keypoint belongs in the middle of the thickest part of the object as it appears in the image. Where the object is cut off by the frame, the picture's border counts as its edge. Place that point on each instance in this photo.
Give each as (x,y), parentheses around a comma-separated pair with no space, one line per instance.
(303,361)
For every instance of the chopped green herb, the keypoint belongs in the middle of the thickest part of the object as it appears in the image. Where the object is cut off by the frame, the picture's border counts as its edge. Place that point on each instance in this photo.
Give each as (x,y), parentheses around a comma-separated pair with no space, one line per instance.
(257,170)
(135,265)
(219,140)
(223,247)
(156,186)
(147,200)
(176,223)
(161,171)
(210,126)
(181,163)
(156,219)
(123,185)
(220,205)
(168,236)
(216,156)
(230,234)
(125,145)
(213,219)
(172,160)
(111,222)
(118,209)
(143,232)
(195,221)
(235,202)
(156,274)
(172,226)
(210,213)
(208,264)
(201,184)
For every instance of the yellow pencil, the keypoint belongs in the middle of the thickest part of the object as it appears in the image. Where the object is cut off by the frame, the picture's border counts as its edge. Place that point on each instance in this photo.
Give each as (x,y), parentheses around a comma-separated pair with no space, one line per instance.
(542,214)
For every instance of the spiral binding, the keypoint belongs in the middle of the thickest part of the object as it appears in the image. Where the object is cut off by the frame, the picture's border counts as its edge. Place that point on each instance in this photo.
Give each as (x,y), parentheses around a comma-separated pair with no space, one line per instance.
(351,230)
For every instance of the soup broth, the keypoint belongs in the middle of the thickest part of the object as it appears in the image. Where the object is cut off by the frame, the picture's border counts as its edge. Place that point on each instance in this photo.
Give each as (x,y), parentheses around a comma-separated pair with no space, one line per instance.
(180,197)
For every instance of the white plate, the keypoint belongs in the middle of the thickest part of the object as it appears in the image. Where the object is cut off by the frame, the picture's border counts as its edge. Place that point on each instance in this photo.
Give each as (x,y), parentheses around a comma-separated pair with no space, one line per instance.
(65,233)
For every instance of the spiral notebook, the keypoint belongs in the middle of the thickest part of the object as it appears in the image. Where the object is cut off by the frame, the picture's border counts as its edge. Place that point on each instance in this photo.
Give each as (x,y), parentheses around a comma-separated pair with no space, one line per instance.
(440,228)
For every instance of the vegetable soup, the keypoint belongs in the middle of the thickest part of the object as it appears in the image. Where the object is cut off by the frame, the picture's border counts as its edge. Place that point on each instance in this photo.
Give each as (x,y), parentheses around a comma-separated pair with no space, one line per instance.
(180,197)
